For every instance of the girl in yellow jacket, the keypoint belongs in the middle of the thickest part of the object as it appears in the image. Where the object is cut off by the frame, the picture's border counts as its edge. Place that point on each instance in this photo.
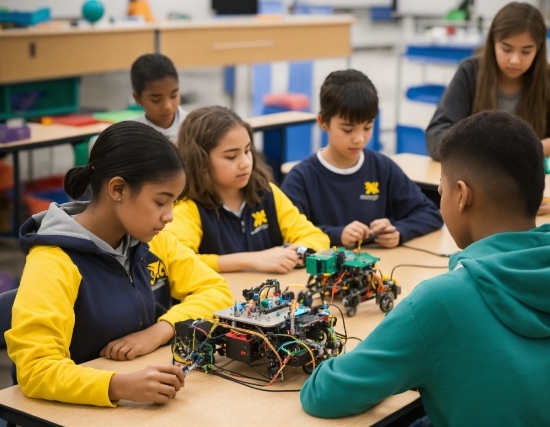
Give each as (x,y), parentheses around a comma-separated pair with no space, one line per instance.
(92,287)
(230,213)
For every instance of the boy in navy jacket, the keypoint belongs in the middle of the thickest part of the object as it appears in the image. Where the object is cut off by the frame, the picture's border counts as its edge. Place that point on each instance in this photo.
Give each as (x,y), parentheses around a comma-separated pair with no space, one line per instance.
(352,193)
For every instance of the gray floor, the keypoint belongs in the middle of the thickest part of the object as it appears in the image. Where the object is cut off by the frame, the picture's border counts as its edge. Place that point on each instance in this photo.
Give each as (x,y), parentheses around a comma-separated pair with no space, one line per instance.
(380,65)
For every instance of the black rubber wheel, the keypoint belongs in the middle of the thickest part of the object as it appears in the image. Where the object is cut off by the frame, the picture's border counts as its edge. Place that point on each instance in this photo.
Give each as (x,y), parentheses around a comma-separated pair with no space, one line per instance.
(351,310)
(386,302)
(304,300)
(308,369)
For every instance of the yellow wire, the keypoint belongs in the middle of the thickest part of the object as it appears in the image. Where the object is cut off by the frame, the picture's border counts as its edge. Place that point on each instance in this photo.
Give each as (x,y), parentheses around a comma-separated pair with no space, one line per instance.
(301,343)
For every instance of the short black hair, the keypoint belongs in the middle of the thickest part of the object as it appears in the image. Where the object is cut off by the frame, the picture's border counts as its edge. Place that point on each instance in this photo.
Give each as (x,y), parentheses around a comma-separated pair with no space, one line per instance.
(149,68)
(349,94)
(502,153)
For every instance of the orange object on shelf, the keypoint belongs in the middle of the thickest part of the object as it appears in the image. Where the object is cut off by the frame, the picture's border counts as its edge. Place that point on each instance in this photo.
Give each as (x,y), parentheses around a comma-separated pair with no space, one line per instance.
(140,8)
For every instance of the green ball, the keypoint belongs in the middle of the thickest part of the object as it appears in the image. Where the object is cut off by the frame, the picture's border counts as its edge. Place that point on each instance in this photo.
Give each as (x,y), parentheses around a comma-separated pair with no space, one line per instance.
(92,10)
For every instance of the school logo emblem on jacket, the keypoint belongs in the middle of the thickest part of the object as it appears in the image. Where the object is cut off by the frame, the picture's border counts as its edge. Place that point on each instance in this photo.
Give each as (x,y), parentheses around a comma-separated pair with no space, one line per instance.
(157,272)
(260,222)
(372,191)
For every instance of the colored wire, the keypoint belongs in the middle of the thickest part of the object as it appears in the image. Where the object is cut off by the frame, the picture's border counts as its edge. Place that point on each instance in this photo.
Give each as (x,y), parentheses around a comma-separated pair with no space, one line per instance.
(427,251)
(334,287)
(415,265)
(256,387)
(343,321)
(299,342)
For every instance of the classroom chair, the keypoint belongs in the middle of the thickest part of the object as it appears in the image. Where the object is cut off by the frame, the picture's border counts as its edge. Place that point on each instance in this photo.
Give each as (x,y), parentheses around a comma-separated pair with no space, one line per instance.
(410,139)
(6,303)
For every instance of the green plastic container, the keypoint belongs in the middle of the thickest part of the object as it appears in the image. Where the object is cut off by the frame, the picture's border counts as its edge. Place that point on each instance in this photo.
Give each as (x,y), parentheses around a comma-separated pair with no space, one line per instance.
(36,99)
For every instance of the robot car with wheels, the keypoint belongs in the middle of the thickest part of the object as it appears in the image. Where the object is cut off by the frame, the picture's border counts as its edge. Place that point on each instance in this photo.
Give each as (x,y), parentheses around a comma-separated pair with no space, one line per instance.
(351,275)
(272,327)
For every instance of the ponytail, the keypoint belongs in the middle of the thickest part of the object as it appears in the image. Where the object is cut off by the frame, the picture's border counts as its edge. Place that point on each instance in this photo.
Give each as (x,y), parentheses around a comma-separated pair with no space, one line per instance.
(77,180)
(134,151)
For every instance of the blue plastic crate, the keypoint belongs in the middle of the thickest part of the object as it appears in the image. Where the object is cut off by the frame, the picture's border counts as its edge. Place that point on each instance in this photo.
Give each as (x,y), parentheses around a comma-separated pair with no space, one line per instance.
(25,19)
(310,9)
(430,94)
(381,13)
(440,53)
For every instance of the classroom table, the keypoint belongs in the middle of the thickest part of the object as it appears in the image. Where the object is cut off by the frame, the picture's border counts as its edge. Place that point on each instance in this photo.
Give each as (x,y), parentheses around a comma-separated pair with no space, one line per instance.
(51,135)
(42,137)
(211,401)
(427,172)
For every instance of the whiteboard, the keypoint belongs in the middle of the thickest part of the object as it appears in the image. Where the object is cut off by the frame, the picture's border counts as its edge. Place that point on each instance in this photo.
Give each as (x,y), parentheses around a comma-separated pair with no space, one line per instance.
(427,7)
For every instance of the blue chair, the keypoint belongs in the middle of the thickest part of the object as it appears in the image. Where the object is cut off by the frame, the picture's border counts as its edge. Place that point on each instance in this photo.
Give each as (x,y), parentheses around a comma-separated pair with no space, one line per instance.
(6,303)
(410,139)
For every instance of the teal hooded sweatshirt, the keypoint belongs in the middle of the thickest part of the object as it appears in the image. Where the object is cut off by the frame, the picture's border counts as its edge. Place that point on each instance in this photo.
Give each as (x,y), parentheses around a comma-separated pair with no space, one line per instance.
(474,341)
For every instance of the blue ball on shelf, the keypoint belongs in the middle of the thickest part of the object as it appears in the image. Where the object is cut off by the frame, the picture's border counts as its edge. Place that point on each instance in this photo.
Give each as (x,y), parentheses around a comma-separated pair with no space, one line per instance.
(92,10)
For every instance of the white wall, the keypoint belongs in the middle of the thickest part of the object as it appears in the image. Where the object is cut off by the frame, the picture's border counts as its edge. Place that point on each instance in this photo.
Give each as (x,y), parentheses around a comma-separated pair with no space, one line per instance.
(426,7)
(488,8)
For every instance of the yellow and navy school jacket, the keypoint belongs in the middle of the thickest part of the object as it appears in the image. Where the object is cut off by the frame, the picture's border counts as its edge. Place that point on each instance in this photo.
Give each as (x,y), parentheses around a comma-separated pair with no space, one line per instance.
(75,297)
(273,222)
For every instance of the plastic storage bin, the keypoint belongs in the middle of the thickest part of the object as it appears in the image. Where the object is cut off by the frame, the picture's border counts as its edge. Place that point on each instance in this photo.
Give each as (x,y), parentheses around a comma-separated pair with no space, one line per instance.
(440,53)
(25,19)
(381,13)
(43,98)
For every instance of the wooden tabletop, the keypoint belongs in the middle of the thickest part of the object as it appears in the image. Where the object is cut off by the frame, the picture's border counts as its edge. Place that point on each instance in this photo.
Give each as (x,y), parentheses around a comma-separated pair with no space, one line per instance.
(212,401)
(55,134)
(424,170)
(42,135)
(420,169)
(288,118)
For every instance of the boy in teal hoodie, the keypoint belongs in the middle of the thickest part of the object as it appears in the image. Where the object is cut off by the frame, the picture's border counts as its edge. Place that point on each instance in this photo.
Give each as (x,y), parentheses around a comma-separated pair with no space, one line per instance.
(475,341)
